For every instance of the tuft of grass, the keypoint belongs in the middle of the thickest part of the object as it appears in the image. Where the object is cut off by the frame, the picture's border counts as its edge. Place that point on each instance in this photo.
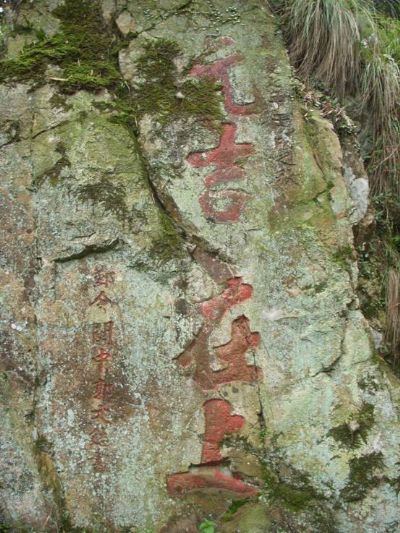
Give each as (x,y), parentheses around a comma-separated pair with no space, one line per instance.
(389,7)
(355,51)
(325,38)
(380,90)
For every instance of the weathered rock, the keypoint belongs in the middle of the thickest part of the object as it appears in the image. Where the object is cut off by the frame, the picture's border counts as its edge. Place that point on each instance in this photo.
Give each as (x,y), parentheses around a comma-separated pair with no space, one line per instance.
(181,328)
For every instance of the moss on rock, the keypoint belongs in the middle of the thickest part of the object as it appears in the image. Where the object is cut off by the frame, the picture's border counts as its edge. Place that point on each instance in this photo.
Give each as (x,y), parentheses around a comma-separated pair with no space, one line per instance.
(110,195)
(363,476)
(355,431)
(85,49)
(157,92)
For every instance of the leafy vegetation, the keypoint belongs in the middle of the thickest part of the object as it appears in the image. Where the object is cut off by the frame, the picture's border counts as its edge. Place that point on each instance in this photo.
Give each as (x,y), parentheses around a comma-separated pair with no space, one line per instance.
(207,526)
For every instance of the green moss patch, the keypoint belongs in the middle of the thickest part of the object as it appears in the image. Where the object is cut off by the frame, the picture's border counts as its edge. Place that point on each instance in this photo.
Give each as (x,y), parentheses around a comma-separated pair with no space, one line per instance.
(86,50)
(363,476)
(111,196)
(355,432)
(169,243)
(157,92)
(296,495)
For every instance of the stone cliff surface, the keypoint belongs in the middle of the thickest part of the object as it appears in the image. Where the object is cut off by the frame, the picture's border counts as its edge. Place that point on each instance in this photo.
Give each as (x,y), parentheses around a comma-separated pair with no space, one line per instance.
(181,335)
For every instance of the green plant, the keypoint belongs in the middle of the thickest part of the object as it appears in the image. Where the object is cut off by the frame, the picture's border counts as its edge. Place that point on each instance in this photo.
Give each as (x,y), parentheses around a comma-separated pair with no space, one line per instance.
(207,526)
(392,333)
(354,51)
(380,90)
(325,37)
(389,7)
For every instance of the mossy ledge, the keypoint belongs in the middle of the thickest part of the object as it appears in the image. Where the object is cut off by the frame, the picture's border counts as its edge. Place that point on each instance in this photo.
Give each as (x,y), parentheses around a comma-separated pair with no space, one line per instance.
(84,55)
(86,49)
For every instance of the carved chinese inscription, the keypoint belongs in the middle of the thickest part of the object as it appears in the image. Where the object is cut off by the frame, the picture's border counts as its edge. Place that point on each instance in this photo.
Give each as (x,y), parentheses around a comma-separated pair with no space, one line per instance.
(197,358)
(220,421)
(221,204)
(103,346)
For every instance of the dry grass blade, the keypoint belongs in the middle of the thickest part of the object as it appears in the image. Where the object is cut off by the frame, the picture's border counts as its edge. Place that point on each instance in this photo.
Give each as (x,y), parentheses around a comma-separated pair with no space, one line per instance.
(380,90)
(392,335)
(325,36)
(380,87)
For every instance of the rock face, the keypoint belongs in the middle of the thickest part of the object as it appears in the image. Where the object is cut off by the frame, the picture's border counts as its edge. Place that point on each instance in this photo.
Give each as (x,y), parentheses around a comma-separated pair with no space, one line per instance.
(181,336)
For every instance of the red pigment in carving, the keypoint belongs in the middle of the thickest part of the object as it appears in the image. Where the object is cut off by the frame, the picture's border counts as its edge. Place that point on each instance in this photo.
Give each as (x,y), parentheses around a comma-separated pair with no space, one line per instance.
(100,464)
(180,484)
(233,353)
(101,413)
(103,355)
(231,213)
(223,157)
(226,156)
(101,299)
(235,293)
(99,437)
(219,422)
(219,71)
(104,278)
(102,333)
(103,390)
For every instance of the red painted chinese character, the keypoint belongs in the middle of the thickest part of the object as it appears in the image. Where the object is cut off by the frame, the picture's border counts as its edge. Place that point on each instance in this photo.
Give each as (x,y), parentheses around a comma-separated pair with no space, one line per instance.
(197,357)
(102,333)
(219,71)
(103,390)
(100,413)
(104,278)
(225,159)
(102,299)
(219,423)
